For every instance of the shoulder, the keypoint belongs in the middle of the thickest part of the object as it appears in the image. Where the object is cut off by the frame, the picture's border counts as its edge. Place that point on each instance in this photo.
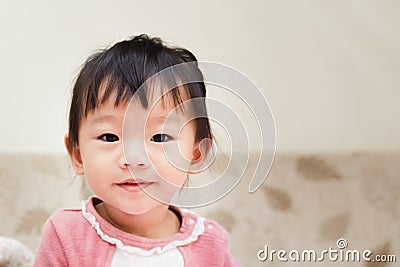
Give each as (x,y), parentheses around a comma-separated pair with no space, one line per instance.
(214,244)
(210,230)
(211,246)
(65,218)
(59,237)
(66,214)
(213,228)
(66,225)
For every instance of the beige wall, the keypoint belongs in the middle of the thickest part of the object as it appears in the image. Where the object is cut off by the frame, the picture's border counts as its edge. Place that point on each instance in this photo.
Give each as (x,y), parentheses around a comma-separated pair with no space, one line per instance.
(329,69)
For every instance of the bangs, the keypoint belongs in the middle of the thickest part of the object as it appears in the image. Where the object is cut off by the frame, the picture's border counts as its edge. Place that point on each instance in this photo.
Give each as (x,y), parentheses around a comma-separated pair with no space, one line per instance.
(130,69)
(148,94)
(108,75)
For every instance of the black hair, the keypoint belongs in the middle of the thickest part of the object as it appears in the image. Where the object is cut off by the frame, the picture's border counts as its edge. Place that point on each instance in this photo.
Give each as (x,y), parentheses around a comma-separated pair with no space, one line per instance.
(121,69)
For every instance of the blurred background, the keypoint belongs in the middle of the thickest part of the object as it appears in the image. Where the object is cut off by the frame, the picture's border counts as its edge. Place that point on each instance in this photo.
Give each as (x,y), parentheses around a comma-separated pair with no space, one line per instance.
(330,73)
(329,69)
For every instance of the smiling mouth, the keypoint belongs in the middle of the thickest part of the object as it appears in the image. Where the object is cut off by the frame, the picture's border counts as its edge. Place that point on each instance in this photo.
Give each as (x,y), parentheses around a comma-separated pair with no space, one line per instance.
(131,185)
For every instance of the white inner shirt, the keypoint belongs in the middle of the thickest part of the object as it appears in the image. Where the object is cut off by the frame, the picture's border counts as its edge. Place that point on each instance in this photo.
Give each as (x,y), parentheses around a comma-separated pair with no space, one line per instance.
(170,258)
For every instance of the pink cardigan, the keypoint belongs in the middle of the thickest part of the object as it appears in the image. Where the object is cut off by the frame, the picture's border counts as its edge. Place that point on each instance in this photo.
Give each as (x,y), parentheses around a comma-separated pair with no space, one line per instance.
(70,238)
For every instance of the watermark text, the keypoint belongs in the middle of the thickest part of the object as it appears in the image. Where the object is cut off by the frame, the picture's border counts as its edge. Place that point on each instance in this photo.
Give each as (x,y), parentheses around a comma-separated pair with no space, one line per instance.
(341,253)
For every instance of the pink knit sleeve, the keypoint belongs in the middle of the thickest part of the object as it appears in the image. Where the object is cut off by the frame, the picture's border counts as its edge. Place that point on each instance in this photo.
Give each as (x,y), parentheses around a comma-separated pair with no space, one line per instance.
(220,233)
(210,249)
(229,260)
(50,251)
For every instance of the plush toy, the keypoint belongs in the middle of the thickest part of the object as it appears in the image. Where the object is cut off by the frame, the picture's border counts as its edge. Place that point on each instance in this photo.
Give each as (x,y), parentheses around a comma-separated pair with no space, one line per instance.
(14,254)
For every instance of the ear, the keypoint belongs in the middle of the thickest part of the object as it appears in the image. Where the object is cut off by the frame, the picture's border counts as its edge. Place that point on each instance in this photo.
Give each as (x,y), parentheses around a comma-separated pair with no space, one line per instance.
(200,152)
(75,156)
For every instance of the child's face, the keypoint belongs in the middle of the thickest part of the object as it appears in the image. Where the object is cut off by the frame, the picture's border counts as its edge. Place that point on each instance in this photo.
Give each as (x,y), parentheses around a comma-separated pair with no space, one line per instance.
(101,160)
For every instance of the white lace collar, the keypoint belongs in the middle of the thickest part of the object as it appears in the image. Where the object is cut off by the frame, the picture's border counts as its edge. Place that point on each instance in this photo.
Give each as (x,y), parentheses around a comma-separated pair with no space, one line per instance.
(198,229)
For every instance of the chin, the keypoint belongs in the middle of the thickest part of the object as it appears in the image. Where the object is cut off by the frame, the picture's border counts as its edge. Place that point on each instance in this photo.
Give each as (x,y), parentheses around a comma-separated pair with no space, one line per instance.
(141,207)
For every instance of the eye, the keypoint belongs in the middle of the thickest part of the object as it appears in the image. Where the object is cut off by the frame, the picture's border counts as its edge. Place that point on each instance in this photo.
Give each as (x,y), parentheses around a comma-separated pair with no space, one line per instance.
(159,138)
(109,137)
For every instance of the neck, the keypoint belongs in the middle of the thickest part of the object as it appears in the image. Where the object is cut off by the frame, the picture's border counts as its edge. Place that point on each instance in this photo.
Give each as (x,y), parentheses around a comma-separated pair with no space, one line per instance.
(156,224)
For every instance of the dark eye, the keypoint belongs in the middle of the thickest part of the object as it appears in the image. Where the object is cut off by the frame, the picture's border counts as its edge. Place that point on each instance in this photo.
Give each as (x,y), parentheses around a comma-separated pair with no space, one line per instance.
(109,137)
(159,138)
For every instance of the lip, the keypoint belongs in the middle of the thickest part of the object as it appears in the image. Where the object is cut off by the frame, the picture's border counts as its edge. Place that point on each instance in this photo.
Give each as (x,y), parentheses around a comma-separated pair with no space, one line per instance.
(134,185)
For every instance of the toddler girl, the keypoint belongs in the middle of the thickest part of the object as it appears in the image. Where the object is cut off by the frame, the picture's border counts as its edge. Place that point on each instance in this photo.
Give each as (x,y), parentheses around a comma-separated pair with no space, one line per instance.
(122,224)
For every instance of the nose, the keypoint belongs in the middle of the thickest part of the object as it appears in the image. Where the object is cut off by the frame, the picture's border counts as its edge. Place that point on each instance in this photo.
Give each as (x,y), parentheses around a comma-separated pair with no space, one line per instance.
(122,161)
(134,158)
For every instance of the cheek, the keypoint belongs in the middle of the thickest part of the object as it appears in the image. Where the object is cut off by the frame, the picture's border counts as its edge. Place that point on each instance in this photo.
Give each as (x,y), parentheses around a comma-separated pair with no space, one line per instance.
(167,170)
(95,163)
(186,141)
(174,156)
(186,150)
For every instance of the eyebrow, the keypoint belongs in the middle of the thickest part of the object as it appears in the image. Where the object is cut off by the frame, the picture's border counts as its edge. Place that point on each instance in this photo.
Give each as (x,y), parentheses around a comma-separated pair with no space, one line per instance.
(102,118)
(162,118)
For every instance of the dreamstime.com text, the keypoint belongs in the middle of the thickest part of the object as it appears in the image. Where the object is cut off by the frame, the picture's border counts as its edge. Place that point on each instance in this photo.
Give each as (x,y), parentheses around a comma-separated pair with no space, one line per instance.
(331,254)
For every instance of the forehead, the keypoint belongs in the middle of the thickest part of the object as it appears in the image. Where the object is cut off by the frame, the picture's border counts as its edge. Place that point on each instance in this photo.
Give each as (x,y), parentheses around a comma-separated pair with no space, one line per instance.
(161,109)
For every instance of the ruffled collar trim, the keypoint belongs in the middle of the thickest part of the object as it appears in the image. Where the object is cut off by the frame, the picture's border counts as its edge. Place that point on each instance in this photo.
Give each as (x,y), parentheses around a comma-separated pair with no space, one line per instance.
(192,227)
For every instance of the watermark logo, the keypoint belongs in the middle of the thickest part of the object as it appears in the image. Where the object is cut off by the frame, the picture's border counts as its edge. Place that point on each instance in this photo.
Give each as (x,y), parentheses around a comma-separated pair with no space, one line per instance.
(341,243)
(227,117)
(341,253)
